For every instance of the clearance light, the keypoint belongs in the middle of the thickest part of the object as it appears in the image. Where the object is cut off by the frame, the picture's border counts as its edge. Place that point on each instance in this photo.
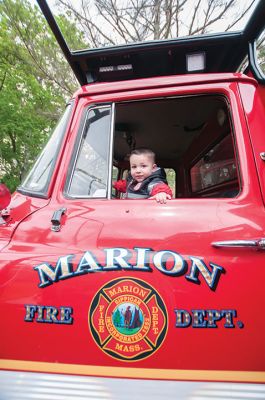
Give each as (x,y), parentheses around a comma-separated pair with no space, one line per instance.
(195,62)
(114,68)
(125,67)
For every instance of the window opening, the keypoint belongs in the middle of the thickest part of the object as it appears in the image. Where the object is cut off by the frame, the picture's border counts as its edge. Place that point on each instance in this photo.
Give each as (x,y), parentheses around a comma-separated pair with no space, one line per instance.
(171,179)
(191,137)
(115,177)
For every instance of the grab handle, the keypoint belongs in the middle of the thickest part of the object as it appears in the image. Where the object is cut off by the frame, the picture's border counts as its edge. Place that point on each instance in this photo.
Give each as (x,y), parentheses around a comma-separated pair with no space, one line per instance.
(56,219)
(258,244)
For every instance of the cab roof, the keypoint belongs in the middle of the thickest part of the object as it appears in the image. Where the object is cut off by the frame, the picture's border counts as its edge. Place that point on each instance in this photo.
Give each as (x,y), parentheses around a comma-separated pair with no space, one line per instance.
(162,57)
(103,88)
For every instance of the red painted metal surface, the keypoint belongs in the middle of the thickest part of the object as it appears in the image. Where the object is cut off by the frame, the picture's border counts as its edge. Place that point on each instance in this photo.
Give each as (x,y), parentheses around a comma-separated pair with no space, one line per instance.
(186,227)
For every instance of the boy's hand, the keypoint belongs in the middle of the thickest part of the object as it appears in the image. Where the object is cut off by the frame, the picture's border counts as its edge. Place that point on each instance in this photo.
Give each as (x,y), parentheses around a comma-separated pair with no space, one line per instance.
(161,192)
(161,197)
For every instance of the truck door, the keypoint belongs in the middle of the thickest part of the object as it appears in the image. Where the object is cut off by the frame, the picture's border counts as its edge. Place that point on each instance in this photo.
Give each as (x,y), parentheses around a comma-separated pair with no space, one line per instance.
(133,288)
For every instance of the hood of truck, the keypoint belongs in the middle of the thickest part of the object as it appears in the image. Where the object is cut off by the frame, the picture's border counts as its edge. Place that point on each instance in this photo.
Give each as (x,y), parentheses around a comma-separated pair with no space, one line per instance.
(21,207)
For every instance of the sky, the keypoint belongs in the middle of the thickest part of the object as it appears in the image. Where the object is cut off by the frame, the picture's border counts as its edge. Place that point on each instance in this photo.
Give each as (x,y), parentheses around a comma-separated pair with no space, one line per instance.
(219,26)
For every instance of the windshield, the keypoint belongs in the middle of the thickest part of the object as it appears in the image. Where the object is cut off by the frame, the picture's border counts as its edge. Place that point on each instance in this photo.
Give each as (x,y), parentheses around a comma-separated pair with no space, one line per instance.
(38,179)
(107,23)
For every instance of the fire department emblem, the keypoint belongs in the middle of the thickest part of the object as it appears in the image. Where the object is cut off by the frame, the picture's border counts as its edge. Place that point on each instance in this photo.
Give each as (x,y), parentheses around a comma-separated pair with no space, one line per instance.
(128,319)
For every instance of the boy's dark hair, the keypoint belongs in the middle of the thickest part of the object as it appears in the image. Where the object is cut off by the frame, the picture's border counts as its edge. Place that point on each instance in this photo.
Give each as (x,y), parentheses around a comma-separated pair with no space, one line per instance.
(145,151)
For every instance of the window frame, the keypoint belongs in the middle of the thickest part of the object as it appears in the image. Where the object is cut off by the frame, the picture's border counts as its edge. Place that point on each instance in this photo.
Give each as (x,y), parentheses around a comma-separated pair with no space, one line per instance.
(77,147)
(112,107)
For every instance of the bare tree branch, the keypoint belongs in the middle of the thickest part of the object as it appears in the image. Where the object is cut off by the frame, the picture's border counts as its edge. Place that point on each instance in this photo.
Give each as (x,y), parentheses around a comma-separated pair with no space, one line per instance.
(194,15)
(208,21)
(240,16)
(113,21)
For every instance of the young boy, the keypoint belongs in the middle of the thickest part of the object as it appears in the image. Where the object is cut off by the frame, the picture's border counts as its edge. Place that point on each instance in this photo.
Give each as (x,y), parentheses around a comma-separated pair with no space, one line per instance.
(146,180)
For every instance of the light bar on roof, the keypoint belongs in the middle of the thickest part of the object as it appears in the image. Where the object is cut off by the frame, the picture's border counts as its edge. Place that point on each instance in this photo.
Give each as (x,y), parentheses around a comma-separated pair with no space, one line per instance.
(195,62)
(114,68)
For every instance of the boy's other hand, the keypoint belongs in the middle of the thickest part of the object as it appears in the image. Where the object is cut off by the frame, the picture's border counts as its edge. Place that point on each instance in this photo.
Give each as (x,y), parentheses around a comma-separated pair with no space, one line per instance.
(161,197)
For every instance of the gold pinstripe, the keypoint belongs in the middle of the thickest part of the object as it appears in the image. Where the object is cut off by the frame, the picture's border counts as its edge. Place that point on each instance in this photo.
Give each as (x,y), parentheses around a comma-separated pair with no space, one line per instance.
(146,373)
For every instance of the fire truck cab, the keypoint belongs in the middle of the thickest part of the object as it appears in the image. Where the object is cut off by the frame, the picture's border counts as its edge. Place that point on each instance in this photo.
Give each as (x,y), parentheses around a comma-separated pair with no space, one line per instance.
(98,285)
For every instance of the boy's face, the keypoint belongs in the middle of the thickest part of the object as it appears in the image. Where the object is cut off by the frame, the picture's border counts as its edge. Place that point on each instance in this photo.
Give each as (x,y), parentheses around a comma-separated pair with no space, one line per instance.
(142,166)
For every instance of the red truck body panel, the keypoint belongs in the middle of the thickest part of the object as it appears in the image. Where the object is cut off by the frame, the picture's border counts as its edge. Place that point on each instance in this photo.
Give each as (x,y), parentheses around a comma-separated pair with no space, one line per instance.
(200,307)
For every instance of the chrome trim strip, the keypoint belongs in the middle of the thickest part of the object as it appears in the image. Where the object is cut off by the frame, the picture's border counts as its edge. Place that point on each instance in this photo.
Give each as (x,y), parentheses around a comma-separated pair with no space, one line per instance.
(235,243)
(258,244)
(109,191)
(41,386)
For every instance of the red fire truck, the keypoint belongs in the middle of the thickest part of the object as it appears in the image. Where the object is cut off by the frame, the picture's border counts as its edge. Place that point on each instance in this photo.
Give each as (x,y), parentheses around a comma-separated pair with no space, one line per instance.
(96,288)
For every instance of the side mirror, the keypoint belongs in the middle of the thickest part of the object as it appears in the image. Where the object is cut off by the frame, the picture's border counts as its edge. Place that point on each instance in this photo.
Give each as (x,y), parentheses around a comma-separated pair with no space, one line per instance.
(5,196)
(256,58)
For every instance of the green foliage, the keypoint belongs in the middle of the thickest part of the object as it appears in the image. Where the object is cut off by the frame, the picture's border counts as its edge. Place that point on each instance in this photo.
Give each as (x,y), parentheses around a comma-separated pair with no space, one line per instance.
(171,179)
(35,82)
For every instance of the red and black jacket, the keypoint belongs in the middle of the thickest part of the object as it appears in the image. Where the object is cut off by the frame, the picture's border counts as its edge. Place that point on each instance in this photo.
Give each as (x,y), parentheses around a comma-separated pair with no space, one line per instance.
(153,184)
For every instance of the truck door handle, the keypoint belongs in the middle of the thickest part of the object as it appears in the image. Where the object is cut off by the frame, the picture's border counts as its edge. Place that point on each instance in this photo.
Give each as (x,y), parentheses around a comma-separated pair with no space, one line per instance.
(56,219)
(258,244)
